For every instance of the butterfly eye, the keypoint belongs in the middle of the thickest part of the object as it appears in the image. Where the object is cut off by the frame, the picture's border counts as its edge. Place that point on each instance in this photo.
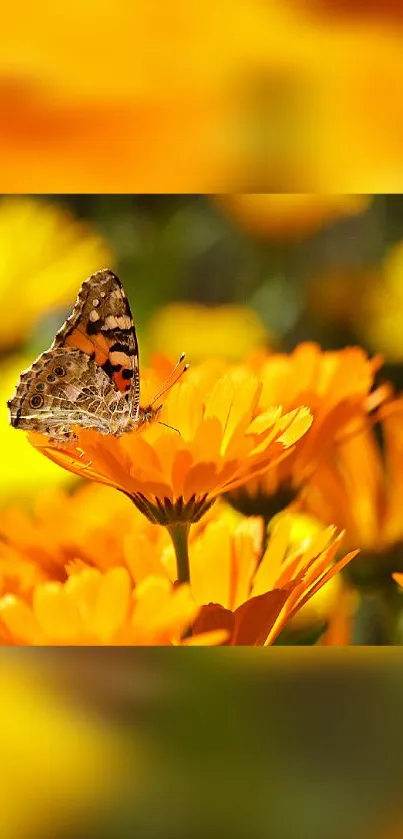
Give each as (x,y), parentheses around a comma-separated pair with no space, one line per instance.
(36,401)
(60,371)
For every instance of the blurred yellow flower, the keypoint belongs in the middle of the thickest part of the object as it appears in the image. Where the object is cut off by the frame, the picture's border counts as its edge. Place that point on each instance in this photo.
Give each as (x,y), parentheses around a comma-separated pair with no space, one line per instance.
(380,319)
(55,751)
(174,477)
(23,470)
(44,248)
(227,332)
(287,216)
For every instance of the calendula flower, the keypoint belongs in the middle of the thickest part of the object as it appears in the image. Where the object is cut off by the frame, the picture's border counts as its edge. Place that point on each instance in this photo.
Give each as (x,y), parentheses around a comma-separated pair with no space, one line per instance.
(207,331)
(66,575)
(56,538)
(253,592)
(360,490)
(101,609)
(110,578)
(287,216)
(302,529)
(72,248)
(214,442)
(337,388)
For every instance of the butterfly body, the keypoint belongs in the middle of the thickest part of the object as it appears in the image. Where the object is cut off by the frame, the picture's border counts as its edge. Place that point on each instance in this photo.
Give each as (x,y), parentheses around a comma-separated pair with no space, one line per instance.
(89,377)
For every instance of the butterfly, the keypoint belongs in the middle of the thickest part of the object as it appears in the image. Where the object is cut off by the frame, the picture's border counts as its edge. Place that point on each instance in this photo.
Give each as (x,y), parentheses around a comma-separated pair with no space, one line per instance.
(90,376)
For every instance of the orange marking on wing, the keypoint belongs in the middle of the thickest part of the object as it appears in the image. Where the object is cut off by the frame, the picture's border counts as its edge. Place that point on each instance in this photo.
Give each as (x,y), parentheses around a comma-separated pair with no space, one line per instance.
(120,382)
(97,344)
(80,341)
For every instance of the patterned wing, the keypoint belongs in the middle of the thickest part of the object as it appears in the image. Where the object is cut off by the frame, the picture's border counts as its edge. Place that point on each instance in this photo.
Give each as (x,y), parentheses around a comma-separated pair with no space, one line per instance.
(101,325)
(63,388)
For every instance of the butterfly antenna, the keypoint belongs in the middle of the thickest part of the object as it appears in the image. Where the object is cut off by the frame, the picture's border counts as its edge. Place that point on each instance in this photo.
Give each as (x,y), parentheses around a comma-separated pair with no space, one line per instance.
(179,370)
(172,427)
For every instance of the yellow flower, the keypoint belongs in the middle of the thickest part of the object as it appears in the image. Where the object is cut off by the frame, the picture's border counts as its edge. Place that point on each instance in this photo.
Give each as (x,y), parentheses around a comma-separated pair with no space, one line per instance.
(252,596)
(44,249)
(98,609)
(174,477)
(206,331)
(66,574)
(58,537)
(380,319)
(360,490)
(337,388)
(54,750)
(302,529)
(286,216)
(106,576)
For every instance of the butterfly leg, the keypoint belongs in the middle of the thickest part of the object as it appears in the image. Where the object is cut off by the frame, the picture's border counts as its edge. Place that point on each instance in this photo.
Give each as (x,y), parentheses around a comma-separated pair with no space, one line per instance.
(81,453)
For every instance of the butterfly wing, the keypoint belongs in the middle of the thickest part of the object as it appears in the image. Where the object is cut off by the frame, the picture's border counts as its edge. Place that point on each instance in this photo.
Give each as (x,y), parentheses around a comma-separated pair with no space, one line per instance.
(63,388)
(101,325)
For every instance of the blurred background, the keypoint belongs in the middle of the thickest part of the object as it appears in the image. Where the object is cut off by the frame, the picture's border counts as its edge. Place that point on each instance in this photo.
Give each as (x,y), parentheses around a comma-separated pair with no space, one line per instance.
(113,742)
(244,95)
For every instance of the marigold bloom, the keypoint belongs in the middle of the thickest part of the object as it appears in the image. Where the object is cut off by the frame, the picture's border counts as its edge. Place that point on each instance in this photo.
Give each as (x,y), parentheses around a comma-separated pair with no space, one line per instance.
(253,596)
(174,476)
(66,575)
(95,609)
(337,388)
(105,575)
(360,490)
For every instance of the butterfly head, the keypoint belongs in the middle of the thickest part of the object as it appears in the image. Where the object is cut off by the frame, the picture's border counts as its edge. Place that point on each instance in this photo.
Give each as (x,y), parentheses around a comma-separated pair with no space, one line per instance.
(147,415)
(150,413)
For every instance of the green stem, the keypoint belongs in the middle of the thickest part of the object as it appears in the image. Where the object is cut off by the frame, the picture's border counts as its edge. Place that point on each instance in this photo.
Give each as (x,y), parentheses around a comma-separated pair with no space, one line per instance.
(179,534)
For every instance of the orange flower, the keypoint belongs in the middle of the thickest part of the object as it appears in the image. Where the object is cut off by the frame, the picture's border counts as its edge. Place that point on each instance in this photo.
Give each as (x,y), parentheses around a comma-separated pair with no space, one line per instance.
(113,576)
(174,476)
(252,596)
(336,387)
(65,575)
(93,527)
(92,608)
(360,489)
(58,538)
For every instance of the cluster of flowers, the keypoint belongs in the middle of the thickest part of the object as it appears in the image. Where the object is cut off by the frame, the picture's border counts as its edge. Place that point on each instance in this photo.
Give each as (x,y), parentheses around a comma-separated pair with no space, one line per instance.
(197,546)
